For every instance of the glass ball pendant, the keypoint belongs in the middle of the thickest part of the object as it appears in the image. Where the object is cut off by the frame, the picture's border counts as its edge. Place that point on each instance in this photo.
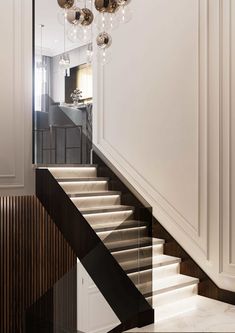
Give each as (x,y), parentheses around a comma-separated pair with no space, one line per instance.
(124,14)
(106,21)
(62,16)
(75,15)
(123,2)
(79,33)
(73,33)
(106,6)
(104,40)
(65,4)
(88,17)
(104,56)
(89,54)
(85,34)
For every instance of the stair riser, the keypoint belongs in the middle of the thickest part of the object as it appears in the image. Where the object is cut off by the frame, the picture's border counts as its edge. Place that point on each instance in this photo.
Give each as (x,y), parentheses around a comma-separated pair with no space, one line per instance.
(176,308)
(88,202)
(140,253)
(78,187)
(121,235)
(84,172)
(115,226)
(166,271)
(109,217)
(157,249)
(174,295)
(155,274)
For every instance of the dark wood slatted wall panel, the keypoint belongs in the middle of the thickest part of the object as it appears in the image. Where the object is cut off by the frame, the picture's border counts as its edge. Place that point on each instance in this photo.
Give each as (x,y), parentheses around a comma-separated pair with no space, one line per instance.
(33,256)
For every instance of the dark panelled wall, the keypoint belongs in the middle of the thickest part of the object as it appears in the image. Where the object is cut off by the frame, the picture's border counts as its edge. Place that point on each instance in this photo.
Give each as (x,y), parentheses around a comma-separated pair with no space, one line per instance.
(33,256)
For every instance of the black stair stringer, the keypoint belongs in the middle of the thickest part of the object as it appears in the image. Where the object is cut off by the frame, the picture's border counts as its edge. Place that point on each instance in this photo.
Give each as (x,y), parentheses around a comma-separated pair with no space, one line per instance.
(129,305)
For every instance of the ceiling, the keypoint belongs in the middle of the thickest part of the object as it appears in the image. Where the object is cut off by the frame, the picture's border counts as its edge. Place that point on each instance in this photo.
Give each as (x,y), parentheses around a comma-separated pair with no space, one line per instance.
(46,13)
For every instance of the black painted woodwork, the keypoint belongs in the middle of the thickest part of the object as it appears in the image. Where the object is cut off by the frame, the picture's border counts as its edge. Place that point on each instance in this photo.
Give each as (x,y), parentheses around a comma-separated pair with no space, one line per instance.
(127,302)
(143,211)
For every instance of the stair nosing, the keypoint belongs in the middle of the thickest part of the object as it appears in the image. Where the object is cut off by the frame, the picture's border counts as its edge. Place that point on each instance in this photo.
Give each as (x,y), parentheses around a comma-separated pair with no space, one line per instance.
(120,226)
(108,209)
(81,179)
(118,230)
(135,245)
(191,281)
(93,194)
(174,260)
(49,166)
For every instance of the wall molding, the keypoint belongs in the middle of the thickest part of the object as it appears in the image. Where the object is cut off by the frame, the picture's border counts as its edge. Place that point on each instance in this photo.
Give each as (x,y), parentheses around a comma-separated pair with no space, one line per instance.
(199,234)
(226,199)
(208,243)
(18,88)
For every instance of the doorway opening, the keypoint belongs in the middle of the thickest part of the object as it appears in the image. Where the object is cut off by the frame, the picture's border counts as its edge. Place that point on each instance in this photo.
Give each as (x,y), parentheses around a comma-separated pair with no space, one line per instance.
(63,96)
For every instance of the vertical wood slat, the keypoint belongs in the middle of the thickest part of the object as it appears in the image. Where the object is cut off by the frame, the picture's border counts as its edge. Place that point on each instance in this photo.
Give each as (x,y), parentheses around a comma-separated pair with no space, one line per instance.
(33,256)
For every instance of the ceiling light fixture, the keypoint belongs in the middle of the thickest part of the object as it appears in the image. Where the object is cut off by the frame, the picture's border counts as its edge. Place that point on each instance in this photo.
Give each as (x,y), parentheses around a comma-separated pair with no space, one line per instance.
(109,13)
(64,61)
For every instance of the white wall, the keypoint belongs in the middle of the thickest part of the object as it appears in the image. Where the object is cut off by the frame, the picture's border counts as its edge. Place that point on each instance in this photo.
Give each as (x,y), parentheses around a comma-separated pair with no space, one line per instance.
(77,57)
(164,116)
(94,314)
(16,173)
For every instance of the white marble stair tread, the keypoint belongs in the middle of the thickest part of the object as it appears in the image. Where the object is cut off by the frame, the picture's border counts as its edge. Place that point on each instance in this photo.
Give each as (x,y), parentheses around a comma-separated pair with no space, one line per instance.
(94,194)
(82,179)
(119,216)
(70,172)
(105,209)
(163,291)
(163,287)
(66,166)
(172,283)
(133,243)
(96,201)
(173,309)
(71,187)
(148,263)
(139,253)
(117,225)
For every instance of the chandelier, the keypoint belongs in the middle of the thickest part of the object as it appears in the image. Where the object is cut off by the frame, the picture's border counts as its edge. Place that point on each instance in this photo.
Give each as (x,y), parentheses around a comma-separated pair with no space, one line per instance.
(79,16)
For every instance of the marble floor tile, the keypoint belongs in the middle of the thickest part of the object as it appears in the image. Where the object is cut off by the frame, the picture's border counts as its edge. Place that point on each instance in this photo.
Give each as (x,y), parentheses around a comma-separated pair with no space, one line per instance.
(207,316)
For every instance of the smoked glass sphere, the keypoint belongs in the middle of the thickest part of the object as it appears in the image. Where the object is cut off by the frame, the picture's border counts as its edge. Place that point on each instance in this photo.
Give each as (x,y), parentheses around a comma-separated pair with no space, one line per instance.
(88,17)
(104,40)
(65,4)
(75,15)
(106,6)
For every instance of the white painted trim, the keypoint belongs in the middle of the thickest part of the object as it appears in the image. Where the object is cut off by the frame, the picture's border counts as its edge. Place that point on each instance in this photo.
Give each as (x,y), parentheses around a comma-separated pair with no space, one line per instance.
(20,179)
(209,244)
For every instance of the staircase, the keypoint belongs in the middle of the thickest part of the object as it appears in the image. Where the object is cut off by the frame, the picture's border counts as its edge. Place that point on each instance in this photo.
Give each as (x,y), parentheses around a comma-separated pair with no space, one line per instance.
(157,276)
